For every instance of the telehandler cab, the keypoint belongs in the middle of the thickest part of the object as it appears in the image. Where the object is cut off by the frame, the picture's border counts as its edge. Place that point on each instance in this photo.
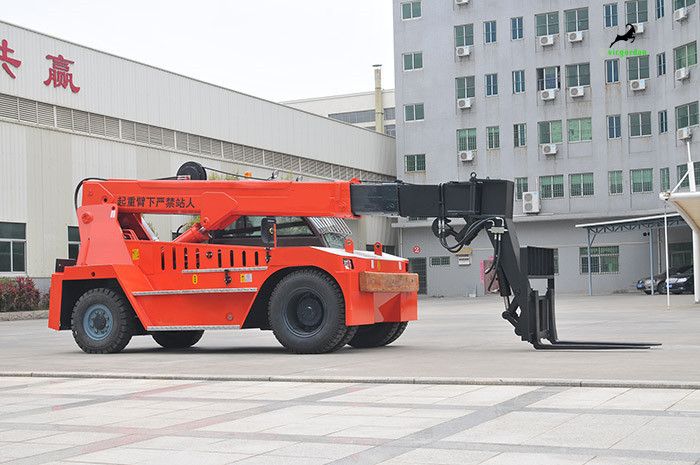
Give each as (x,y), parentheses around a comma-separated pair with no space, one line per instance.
(274,254)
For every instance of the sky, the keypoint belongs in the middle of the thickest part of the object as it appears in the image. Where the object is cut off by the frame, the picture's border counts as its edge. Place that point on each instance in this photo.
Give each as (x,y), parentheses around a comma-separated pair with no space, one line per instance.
(274,49)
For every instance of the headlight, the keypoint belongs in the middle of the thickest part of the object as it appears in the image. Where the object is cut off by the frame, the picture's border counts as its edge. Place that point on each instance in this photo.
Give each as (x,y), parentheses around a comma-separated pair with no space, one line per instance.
(682,280)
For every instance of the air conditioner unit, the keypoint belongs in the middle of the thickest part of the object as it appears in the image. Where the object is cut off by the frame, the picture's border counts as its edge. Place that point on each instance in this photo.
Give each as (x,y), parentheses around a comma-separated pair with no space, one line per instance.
(549,149)
(548,94)
(684,134)
(575,36)
(546,40)
(461,2)
(464,103)
(680,14)
(638,84)
(638,28)
(577,91)
(531,202)
(682,73)
(467,155)
(464,51)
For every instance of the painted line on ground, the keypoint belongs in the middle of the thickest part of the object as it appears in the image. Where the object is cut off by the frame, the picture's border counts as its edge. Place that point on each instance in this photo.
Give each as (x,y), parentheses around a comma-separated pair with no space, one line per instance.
(647,384)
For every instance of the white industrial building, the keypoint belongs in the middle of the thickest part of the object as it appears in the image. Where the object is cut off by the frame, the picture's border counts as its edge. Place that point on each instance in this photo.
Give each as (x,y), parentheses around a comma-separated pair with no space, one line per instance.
(68,112)
(360,109)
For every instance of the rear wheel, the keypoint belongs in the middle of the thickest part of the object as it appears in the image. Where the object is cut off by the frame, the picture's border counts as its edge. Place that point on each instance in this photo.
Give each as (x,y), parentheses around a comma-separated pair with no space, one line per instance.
(307,313)
(399,332)
(377,335)
(177,339)
(102,321)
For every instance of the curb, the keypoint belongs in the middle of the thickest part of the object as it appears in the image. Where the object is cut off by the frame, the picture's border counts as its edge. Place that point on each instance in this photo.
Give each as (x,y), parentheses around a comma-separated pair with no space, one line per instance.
(20,316)
(371,380)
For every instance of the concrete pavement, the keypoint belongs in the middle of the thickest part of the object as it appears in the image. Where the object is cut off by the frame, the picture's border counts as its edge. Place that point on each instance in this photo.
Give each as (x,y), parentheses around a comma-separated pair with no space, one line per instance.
(97,421)
(454,338)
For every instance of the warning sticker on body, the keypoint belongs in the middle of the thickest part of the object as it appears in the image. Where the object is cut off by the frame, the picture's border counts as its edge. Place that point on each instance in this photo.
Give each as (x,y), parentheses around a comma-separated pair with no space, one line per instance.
(246,277)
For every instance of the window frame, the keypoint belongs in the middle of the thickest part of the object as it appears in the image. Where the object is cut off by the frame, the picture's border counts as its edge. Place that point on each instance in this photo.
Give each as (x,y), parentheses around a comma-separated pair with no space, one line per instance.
(493,137)
(518,84)
(637,11)
(470,142)
(619,184)
(689,115)
(547,23)
(615,70)
(519,137)
(491,87)
(466,88)
(467,33)
(412,5)
(613,16)
(517,24)
(551,178)
(521,186)
(642,171)
(660,64)
(72,241)
(442,260)
(15,241)
(617,125)
(597,253)
(491,33)
(577,67)
(579,122)
(578,185)
(638,68)
(641,115)
(413,56)
(415,157)
(578,21)
(542,81)
(663,121)
(550,132)
(685,55)
(415,116)
(665,179)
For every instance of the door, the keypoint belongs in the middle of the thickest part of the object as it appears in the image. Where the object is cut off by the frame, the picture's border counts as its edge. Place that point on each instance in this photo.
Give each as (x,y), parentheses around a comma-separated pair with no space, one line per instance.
(420,267)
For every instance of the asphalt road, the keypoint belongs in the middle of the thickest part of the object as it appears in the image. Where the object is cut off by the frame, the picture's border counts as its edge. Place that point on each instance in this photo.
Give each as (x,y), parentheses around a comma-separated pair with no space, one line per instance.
(463,338)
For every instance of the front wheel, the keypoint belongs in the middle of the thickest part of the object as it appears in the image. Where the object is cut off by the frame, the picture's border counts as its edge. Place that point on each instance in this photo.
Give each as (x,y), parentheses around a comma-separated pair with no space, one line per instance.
(307,313)
(177,339)
(102,321)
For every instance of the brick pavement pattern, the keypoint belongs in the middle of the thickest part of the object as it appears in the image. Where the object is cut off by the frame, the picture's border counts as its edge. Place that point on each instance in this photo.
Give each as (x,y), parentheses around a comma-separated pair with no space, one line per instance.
(121,421)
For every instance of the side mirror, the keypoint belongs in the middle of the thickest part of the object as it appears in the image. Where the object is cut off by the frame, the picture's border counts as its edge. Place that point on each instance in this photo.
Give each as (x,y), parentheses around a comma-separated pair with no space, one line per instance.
(268,231)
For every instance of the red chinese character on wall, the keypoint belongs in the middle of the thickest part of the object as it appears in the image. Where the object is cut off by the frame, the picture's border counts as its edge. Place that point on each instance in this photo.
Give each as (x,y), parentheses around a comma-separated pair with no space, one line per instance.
(59,73)
(5,51)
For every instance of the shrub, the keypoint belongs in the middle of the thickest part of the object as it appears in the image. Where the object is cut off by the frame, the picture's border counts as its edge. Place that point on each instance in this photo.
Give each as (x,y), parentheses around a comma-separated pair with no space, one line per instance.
(18,295)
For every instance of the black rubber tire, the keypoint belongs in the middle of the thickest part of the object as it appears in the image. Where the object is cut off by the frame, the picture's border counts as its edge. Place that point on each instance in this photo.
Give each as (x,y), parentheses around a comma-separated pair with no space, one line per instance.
(399,332)
(647,292)
(661,288)
(352,330)
(177,339)
(331,331)
(376,335)
(123,321)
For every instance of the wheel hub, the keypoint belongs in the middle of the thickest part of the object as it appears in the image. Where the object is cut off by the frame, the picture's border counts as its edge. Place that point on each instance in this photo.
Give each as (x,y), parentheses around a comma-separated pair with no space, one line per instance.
(309,311)
(98,322)
(304,313)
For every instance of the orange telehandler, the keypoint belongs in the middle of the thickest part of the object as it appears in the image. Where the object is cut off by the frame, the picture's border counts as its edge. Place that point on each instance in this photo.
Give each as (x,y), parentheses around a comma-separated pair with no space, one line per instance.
(274,254)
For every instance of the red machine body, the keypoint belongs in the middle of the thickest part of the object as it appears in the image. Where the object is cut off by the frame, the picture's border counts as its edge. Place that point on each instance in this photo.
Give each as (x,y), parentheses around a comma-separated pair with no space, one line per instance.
(190,284)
